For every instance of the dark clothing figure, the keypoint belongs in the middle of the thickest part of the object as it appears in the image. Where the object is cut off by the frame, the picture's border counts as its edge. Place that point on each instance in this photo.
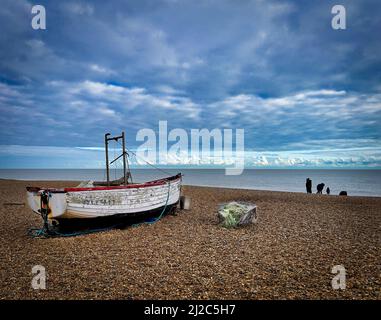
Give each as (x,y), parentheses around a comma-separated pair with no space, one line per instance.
(320,187)
(309,185)
(328,190)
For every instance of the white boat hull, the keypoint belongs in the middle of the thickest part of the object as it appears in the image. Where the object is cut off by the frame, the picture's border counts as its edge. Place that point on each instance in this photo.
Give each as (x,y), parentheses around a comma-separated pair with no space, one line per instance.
(99,202)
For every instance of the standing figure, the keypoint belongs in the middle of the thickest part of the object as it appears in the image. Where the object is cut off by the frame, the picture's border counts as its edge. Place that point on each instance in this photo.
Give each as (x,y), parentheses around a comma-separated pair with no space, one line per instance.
(320,188)
(309,185)
(328,190)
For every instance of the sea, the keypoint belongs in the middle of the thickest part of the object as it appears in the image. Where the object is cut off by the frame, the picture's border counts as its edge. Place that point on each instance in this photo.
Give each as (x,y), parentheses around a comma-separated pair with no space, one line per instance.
(355,182)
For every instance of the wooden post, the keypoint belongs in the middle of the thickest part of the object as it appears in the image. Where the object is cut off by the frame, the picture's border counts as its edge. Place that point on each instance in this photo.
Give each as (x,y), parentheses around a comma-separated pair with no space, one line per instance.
(185,203)
(124,158)
(107,164)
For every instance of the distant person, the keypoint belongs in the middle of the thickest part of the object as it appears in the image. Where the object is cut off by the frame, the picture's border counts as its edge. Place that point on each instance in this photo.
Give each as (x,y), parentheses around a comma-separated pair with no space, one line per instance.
(309,185)
(320,188)
(328,190)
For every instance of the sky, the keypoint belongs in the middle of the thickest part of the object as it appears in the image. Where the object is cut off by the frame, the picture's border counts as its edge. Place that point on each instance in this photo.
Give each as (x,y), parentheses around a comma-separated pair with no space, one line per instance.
(306,95)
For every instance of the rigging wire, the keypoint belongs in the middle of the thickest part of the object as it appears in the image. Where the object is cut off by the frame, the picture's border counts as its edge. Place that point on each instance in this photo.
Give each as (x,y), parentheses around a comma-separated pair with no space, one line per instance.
(150,164)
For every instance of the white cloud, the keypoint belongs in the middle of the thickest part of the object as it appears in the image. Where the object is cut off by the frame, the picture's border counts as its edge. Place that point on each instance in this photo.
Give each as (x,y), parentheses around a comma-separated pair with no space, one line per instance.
(101,70)
(97,88)
(137,97)
(325,103)
(78,8)
(321,123)
(92,157)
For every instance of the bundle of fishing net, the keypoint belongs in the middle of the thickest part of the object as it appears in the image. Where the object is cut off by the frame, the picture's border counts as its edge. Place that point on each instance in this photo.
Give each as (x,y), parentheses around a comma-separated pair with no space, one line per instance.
(235,214)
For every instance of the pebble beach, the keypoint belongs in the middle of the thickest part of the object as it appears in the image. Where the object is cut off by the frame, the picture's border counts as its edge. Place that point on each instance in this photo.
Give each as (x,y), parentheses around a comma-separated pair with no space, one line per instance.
(288,254)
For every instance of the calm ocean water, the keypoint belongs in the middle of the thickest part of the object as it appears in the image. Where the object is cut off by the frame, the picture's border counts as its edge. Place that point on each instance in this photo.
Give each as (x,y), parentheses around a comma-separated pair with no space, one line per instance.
(355,182)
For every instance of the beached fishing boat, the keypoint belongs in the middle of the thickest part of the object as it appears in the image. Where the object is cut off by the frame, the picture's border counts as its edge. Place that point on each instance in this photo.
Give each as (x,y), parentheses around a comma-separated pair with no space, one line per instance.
(108,199)
(96,202)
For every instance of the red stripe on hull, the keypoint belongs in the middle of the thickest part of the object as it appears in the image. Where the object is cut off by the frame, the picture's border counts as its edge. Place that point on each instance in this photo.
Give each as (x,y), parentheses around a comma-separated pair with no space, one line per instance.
(143,185)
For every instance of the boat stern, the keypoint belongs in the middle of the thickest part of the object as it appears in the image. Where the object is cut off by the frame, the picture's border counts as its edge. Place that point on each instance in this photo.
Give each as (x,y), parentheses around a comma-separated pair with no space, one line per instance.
(55,203)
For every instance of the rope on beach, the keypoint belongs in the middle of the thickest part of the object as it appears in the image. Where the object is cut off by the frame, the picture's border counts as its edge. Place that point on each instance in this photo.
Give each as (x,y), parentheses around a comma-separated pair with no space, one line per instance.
(14,204)
(44,233)
(161,214)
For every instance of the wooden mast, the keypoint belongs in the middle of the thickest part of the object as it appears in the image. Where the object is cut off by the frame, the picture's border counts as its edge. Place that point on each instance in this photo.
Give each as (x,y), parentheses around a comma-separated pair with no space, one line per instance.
(107,164)
(124,155)
(124,158)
